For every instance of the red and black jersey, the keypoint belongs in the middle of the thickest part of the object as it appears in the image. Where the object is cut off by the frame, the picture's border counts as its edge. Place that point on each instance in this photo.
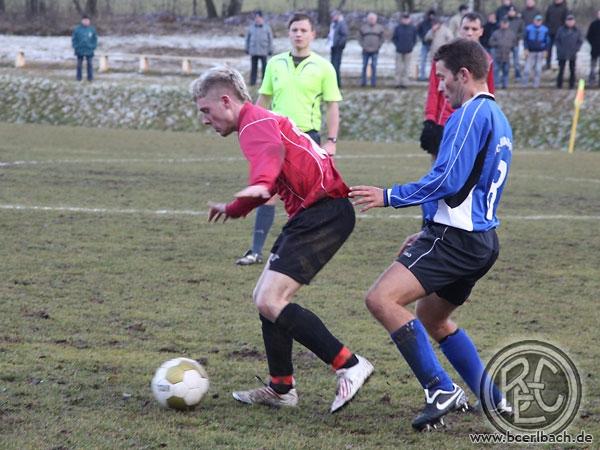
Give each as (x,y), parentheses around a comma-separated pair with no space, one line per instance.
(286,161)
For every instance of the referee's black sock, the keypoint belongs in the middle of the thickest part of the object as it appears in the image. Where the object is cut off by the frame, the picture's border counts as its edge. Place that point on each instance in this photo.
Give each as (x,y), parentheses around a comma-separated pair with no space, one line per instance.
(306,328)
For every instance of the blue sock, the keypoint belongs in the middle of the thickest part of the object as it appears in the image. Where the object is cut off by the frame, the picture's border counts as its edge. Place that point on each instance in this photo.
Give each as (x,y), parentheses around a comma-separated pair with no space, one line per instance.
(413,342)
(265,214)
(462,354)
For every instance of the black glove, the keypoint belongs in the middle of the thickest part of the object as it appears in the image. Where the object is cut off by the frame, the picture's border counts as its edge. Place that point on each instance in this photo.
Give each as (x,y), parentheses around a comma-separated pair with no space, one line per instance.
(431,136)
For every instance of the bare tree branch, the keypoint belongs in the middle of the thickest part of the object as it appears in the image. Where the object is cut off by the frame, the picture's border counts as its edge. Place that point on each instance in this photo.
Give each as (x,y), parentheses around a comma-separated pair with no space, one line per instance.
(78,7)
(323,12)
(91,7)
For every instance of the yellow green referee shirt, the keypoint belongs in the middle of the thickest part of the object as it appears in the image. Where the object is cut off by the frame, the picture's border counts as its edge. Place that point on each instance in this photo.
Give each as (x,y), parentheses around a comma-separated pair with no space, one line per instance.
(297,92)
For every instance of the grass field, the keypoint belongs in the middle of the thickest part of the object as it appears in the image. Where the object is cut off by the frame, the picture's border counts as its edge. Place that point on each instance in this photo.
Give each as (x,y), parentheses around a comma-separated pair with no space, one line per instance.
(109,268)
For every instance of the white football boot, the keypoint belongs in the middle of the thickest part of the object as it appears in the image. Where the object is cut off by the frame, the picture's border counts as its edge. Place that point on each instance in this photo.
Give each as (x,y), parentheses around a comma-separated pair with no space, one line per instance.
(349,381)
(266,395)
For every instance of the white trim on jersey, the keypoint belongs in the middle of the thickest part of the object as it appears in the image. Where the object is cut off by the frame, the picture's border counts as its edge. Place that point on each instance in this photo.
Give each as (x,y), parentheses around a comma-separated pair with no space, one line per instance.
(255,122)
(444,175)
(313,156)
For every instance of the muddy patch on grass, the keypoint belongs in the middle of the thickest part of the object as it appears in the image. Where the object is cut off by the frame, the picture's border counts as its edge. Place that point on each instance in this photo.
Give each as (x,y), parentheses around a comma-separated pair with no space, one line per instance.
(246,353)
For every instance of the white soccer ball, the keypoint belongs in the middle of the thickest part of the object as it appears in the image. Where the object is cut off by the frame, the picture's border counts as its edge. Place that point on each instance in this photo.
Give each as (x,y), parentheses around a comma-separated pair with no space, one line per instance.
(180,383)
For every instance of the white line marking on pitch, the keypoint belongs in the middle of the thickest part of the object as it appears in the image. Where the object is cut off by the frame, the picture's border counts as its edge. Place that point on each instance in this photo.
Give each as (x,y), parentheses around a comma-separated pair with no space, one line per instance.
(189,212)
(207,159)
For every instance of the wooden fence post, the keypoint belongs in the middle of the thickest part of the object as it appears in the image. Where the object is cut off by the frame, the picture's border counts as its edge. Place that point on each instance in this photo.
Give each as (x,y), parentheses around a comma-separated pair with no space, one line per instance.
(186,66)
(20,59)
(103,63)
(144,64)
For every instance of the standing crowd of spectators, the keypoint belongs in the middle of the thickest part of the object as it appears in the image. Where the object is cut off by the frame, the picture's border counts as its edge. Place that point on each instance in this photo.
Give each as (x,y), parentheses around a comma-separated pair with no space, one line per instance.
(524,40)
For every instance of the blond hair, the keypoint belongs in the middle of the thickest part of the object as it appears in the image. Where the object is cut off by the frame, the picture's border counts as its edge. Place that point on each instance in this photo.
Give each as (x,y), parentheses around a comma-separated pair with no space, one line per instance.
(224,77)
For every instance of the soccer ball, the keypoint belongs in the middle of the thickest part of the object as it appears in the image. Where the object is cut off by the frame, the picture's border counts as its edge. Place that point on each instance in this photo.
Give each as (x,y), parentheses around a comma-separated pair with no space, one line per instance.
(180,383)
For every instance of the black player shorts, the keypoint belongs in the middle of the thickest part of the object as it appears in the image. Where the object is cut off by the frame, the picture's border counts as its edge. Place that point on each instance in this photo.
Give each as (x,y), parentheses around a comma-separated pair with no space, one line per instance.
(449,261)
(311,238)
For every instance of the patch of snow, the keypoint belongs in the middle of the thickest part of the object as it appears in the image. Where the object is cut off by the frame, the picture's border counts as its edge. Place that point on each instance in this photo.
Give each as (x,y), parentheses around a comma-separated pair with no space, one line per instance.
(123,51)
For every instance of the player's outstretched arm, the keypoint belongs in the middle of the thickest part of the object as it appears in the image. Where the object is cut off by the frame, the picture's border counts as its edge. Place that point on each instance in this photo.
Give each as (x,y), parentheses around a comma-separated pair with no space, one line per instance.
(254,191)
(216,211)
(367,196)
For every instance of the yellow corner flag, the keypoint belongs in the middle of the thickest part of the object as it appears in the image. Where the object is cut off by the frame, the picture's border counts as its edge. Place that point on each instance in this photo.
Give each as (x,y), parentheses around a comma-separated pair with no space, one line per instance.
(578,102)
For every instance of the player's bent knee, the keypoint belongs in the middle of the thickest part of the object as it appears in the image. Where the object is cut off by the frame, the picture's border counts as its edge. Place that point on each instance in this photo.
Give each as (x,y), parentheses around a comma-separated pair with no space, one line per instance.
(265,308)
(375,304)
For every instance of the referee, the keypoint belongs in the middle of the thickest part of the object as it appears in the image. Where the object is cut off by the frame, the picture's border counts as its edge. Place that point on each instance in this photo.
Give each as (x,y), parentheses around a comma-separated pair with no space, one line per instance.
(294,85)
(439,266)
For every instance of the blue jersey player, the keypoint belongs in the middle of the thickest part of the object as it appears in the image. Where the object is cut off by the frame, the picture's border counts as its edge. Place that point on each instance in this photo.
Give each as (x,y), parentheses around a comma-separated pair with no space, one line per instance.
(439,266)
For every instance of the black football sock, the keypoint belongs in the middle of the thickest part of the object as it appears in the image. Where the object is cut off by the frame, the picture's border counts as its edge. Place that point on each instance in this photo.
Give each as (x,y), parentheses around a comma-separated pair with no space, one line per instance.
(278,345)
(350,362)
(306,328)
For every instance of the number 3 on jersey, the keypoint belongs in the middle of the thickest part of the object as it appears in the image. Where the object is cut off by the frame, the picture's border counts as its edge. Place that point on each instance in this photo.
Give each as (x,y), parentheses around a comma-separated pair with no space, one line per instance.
(491,197)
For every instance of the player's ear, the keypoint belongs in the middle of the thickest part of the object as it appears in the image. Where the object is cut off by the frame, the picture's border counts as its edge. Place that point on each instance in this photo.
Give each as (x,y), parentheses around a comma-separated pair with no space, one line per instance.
(226,100)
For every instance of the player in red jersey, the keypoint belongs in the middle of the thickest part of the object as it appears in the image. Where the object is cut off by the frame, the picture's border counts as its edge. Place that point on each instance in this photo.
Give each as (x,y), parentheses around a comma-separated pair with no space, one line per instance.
(287,162)
(437,108)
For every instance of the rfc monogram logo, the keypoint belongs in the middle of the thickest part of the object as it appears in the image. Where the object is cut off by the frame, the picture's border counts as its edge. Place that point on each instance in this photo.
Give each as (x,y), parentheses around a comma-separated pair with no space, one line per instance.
(540,382)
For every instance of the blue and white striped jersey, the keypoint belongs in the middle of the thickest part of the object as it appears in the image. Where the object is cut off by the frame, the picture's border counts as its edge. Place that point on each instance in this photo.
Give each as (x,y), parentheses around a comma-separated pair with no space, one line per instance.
(465,184)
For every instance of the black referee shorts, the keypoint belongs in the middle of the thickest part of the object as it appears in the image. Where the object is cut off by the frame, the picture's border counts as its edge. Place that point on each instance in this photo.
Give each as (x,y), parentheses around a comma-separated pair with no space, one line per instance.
(311,238)
(449,261)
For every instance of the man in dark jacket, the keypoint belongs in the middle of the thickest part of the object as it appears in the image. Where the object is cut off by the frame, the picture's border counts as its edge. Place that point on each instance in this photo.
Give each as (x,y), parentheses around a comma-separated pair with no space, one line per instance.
(529,12)
(556,14)
(502,42)
(593,37)
(422,30)
(517,26)
(568,42)
(490,26)
(371,39)
(259,45)
(84,41)
(502,10)
(405,38)
(338,35)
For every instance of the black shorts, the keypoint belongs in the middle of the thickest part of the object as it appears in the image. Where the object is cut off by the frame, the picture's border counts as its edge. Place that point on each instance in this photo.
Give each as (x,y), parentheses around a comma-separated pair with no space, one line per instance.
(449,261)
(311,238)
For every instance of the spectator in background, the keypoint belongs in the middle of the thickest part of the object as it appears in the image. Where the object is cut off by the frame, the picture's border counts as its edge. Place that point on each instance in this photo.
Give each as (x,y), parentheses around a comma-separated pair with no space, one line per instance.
(338,35)
(259,45)
(84,41)
(437,107)
(490,26)
(371,40)
(454,22)
(535,42)
(529,12)
(405,38)
(422,30)
(502,42)
(569,40)
(517,26)
(556,14)
(503,9)
(593,37)
(439,35)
